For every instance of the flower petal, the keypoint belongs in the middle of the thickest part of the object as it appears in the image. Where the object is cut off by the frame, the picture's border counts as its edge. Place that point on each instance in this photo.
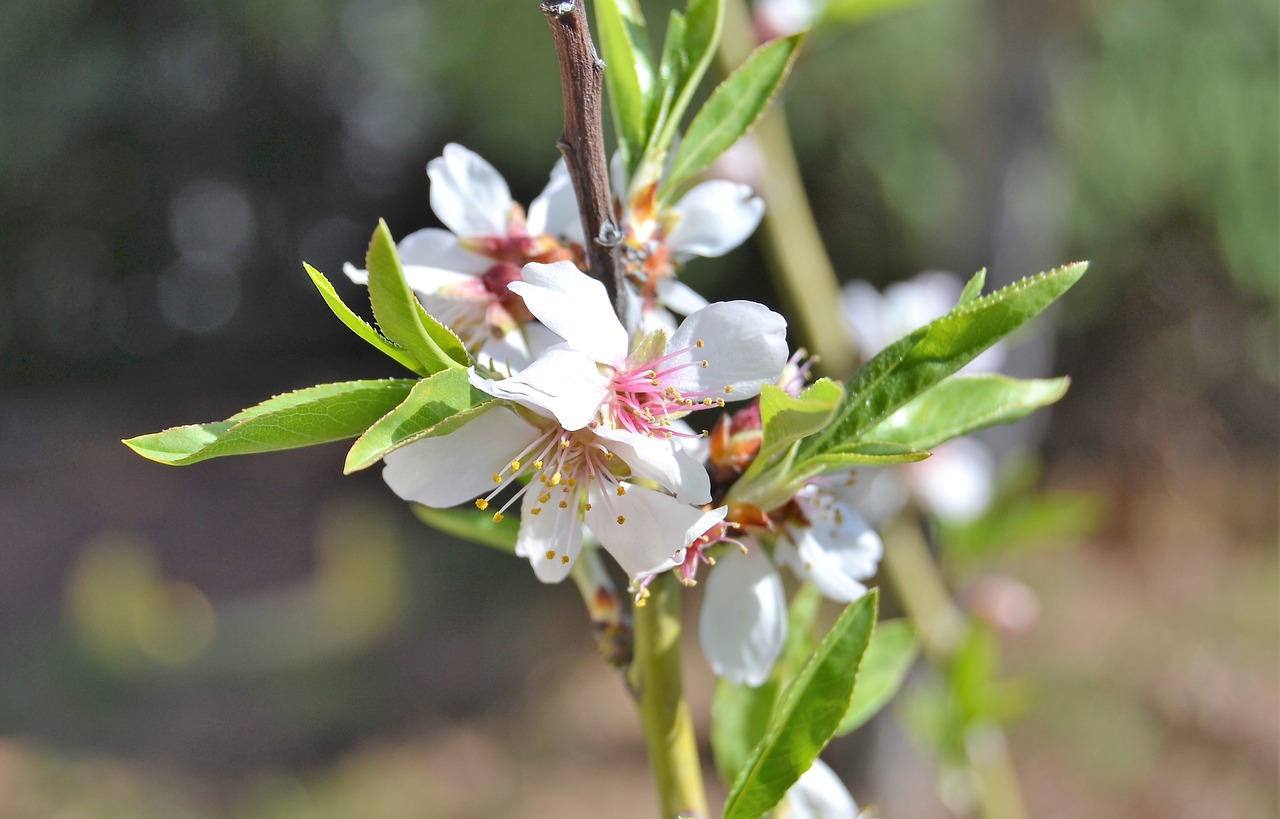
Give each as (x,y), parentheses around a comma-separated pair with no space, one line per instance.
(575,307)
(819,794)
(560,384)
(836,551)
(468,194)
(450,469)
(663,461)
(550,536)
(715,217)
(555,211)
(745,347)
(744,617)
(643,528)
(679,297)
(957,481)
(433,247)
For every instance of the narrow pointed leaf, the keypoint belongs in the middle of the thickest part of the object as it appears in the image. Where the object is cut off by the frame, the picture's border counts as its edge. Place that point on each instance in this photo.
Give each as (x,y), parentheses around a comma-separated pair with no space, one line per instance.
(973,287)
(317,415)
(807,715)
(358,325)
(437,405)
(731,110)
(399,313)
(849,12)
(628,72)
(892,651)
(473,525)
(915,363)
(785,419)
(670,69)
(704,20)
(860,454)
(962,404)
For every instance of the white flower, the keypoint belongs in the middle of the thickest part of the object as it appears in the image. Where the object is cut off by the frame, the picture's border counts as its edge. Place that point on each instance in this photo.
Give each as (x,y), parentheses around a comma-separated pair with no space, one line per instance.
(572,475)
(631,397)
(744,613)
(461,274)
(819,794)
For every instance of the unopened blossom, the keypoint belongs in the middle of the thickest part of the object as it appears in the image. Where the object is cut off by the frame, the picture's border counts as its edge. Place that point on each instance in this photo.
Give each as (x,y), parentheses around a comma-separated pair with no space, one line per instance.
(629,396)
(461,274)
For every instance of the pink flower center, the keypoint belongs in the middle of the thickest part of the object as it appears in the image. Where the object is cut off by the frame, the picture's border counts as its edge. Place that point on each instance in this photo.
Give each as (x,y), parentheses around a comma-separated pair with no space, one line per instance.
(645,399)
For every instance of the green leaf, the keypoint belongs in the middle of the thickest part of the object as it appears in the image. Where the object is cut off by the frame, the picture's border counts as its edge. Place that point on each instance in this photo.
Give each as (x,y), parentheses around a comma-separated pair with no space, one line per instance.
(704,20)
(785,419)
(892,651)
(962,404)
(731,110)
(915,363)
(740,714)
(399,313)
(473,525)
(628,73)
(973,287)
(316,415)
(863,453)
(358,325)
(806,717)
(670,70)
(437,405)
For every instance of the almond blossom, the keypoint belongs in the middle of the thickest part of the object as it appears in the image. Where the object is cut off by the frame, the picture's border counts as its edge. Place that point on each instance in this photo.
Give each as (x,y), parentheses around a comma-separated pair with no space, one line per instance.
(461,274)
(818,794)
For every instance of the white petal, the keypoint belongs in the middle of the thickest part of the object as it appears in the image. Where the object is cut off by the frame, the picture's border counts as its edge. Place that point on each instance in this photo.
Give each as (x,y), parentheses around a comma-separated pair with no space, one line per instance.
(860,304)
(744,617)
(433,247)
(561,384)
(643,528)
(819,794)
(836,551)
(695,446)
(468,194)
(428,281)
(575,307)
(555,211)
(957,481)
(745,348)
(551,538)
(662,460)
(715,217)
(457,467)
(679,297)
(357,274)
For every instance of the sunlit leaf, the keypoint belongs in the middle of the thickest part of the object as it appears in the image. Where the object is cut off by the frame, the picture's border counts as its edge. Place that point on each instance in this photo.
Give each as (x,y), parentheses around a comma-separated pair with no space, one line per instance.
(892,651)
(437,405)
(807,715)
(973,287)
(731,110)
(358,325)
(915,363)
(964,403)
(472,525)
(401,316)
(316,415)
(628,73)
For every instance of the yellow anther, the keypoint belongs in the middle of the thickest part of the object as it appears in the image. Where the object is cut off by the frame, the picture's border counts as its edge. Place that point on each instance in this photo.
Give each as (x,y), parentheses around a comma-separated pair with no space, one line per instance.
(482,504)
(537,510)
(701,343)
(497,478)
(742,548)
(651,374)
(537,464)
(550,554)
(515,466)
(497,517)
(706,402)
(564,444)
(564,558)
(622,519)
(622,490)
(555,479)
(653,383)
(588,507)
(608,456)
(564,504)
(573,481)
(543,498)
(705,363)
(728,388)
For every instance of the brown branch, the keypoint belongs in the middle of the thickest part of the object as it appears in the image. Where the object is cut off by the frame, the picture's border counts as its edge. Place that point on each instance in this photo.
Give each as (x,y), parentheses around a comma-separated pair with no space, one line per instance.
(582,143)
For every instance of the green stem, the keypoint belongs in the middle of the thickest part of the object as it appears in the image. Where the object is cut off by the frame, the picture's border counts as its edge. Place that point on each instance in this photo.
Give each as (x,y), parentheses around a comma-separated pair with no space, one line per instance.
(658,686)
(797,259)
(941,625)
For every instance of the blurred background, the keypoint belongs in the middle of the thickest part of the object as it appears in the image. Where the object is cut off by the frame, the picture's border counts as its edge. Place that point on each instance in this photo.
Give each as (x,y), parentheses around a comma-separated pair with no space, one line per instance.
(262,637)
